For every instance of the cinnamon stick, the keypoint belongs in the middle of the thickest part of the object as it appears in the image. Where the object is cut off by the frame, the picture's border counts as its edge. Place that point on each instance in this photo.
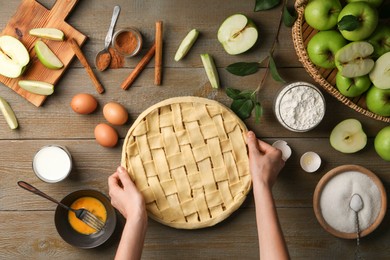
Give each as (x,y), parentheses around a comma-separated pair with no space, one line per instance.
(158,58)
(76,48)
(138,69)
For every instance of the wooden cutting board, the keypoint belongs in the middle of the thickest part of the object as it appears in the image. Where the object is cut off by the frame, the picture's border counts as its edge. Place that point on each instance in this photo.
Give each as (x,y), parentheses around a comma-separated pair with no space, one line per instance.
(31,14)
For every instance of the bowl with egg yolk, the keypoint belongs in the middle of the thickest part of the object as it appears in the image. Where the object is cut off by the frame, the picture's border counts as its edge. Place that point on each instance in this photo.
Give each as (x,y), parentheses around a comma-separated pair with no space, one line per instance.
(77,233)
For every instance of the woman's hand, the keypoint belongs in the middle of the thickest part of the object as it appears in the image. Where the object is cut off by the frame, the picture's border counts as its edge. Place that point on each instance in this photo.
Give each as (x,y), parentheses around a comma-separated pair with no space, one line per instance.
(265,161)
(129,201)
(124,195)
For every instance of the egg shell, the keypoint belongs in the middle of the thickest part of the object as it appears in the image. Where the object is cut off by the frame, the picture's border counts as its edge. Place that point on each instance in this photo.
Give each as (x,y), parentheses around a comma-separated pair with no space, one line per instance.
(115,113)
(83,103)
(105,135)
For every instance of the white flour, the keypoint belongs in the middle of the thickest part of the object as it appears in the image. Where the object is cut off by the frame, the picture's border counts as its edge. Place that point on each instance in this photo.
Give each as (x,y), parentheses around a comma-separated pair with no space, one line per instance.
(301,107)
(336,197)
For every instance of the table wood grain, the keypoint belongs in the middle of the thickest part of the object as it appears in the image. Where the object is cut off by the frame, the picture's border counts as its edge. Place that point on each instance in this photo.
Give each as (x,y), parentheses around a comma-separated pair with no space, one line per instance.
(27,221)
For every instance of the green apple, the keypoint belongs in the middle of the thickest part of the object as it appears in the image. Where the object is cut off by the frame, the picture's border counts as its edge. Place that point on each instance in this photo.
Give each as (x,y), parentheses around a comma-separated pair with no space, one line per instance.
(380,74)
(380,39)
(357,21)
(237,34)
(322,15)
(47,56)
(14,57)
(382,143)
(37,87)
(323,46)
(211,70)
(354,59)
(375,3)
(378,101)
(352,87)
(8,114)
(186,44)
(48,33)
(348,136)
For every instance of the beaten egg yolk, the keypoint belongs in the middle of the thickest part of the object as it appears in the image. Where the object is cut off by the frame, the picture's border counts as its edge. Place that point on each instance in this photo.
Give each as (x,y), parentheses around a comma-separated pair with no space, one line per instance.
(92,205)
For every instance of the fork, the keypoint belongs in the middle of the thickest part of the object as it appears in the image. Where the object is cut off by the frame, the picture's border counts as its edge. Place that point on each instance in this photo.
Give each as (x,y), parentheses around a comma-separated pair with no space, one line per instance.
(84,215)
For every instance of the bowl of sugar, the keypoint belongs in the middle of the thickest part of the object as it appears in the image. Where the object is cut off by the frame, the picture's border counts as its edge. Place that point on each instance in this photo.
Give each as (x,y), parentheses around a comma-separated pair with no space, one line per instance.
(332,200)
(52,163)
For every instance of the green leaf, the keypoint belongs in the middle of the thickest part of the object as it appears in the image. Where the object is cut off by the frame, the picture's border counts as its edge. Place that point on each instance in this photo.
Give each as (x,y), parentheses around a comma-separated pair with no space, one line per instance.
(258,112)
(262,5)
(233,93)
(274,71)
(242,107)
(243,68)
(247,94)
(289,16)
(348,23)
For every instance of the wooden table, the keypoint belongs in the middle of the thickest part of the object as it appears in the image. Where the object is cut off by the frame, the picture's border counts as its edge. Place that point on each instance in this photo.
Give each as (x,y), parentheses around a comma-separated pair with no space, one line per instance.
(27,229)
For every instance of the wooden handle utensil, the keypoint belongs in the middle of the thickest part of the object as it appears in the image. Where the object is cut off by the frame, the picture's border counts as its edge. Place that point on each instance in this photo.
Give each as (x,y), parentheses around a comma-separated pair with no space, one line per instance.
(76,48)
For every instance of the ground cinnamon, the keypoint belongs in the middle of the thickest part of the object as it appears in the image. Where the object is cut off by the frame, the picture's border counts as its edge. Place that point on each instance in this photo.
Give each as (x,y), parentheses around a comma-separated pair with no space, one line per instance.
(103,61)
(126,42)
(117,60)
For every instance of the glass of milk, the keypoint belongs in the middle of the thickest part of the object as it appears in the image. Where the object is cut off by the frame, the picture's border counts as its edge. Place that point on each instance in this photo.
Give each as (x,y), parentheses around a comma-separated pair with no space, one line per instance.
(52,163)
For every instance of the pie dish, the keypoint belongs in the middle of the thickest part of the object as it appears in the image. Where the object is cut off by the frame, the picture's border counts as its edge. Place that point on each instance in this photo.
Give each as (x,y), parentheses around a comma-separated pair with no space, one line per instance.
(188,157)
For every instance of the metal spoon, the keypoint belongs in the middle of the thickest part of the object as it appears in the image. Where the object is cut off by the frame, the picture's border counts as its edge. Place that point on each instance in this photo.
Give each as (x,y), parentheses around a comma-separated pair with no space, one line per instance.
(356,204)
(107,41)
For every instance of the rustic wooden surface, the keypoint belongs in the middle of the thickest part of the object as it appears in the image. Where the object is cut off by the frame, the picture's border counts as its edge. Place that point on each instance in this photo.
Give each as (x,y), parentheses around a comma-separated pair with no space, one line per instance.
(27,229)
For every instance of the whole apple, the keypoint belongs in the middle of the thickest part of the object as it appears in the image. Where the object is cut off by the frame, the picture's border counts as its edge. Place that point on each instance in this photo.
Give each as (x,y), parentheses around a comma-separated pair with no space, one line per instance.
(382,143)
(352,87)
(323,46)
(322,15)
(380,39)
(365,19)
(378,101)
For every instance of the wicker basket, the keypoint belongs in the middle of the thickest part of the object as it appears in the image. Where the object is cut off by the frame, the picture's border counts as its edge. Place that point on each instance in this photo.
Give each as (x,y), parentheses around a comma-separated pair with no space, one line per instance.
(301,34)
(188,158)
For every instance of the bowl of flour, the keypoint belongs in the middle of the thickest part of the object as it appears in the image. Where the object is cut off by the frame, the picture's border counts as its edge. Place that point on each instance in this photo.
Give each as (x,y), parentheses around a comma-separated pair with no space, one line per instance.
(333,195)
(299,106)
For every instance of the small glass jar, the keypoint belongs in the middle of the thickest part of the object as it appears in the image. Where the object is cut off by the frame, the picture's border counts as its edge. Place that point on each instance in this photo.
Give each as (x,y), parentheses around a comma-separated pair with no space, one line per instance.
(127,42)
(299,106)
(52,163)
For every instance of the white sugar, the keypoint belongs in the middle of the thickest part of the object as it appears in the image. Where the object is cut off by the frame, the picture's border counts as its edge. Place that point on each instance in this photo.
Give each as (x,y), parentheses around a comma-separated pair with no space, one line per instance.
(336,196)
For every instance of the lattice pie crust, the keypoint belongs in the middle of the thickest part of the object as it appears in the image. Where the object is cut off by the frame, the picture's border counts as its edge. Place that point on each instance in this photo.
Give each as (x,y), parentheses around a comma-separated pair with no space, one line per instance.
(188,157)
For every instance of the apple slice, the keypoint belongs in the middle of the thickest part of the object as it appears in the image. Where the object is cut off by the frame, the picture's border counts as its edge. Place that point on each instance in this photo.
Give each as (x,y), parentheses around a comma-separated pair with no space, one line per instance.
(47,56)
(380,74)
(354,59)
(211,70)
(8,114)
(14,57)
(48,33)
(348,136)
(237,34)
(186,44)
(37,87)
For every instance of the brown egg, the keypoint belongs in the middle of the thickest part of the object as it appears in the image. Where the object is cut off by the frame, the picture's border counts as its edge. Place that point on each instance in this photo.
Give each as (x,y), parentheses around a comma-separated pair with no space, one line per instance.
(83,103)
(105,135)
(115,113)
